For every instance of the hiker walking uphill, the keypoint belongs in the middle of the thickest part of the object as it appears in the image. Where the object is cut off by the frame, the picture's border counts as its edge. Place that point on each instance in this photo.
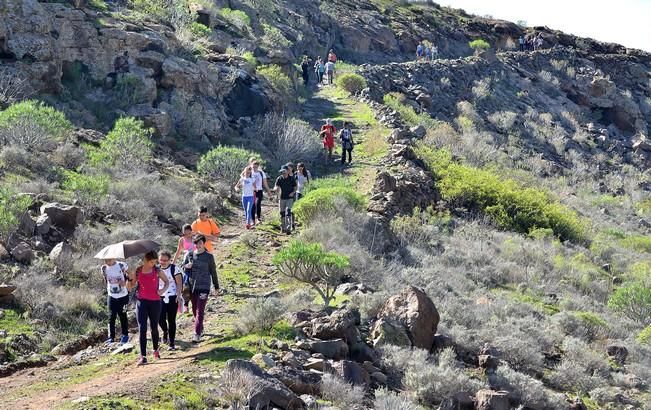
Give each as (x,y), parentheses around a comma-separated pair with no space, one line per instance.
(347,143)
(202,274)
(327,134)
(148,306)
(305,68)
(207,227)
(185,243)
(115,275)
(330,72)
(303,177)
(286,186)
(260,184)
(171,299)
(247,183)
(319,70)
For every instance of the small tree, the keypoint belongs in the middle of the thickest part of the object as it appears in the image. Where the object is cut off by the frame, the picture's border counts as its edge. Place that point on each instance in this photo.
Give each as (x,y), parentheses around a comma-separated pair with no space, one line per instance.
(127,147)
(479,45)
(32,125)
(224,163)
(632,301)
(310,264)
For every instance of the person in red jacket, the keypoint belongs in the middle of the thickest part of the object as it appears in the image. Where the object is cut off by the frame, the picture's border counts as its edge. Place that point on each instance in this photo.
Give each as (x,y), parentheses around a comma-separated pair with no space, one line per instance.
(332,56)
(328,132)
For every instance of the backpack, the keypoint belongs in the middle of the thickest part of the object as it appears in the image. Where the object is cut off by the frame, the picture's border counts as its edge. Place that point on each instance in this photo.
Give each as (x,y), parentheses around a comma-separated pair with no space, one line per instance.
(346,138)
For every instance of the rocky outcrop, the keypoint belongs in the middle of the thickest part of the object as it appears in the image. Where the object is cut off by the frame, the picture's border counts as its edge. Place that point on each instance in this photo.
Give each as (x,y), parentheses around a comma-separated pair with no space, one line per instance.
(411,313)
(64,217)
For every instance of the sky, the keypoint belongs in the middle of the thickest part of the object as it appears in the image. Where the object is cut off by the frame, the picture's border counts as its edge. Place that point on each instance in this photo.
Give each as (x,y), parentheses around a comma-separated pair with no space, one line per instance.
(627,22)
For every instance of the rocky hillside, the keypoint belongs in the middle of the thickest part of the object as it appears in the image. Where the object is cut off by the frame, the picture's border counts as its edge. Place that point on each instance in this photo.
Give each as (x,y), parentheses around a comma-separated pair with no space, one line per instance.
(487,248)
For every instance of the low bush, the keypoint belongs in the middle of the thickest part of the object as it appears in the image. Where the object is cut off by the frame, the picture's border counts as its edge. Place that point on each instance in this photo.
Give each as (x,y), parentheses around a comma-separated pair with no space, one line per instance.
(407,113)
(280,81)
(351,82)
(12,207)
(200,30)
(54,123)
(87,189)
(261,314)
(284,139)
(238,18)
(274,38)
(479,45)
(224,163)
(129,90)
(310,264)
(633,301)
(388,400)
(13,87)
(644,337)
(322,201)
(340,393)
(504,200)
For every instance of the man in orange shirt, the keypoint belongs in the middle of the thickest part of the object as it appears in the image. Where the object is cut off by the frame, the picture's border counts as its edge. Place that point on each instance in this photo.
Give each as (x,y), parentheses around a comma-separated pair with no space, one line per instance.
(207,227)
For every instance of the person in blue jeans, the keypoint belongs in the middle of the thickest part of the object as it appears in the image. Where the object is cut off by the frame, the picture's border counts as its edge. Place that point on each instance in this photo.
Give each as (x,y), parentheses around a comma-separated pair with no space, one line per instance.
(246,183)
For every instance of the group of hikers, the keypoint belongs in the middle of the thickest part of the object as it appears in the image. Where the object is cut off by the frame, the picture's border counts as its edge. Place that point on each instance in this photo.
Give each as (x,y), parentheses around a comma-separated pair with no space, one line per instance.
(426,51)
(162,288)
(531,42)
(324,71)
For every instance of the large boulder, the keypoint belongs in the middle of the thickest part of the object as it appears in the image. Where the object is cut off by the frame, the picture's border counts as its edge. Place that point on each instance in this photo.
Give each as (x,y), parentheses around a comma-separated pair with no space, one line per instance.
(268,392)
(335,349)
(492,400)
(414,312)
(26,225)
(298,381)
(352,372)
(389,331)
(339,325)
(64,217)
(61,254)
(43,224)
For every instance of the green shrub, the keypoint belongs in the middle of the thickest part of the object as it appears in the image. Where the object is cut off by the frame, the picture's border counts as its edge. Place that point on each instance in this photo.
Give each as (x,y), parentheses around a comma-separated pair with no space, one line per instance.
(224,163)
(274,38)
(87,189)
(12,207)
(54,123)
(644,337)
(129,90)
(479,45)
(640,243)
(504,200)
(238,18)
(353,83)
(407,113)
(126,148)
(309,263)
(250,58)
(280,81)
(200,30)
(633,301)
(322,200)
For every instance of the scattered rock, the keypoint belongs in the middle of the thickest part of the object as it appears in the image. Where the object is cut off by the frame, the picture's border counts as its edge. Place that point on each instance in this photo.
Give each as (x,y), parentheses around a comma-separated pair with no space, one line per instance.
(263,360)
(419,131)
(488,363)
(22,253)
(617,353)
(492,400)
(268,391)
(298,381)
(335,349)
(379,378)
(6,290)
(316,364)
(43,224)
(352,372)
(26,225)
(339,325)
(414,312)
(63,216)
(123,349)
(61,254)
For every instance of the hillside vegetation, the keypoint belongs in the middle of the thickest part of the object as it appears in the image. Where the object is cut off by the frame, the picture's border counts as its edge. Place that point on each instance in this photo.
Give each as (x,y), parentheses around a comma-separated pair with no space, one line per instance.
(489,246)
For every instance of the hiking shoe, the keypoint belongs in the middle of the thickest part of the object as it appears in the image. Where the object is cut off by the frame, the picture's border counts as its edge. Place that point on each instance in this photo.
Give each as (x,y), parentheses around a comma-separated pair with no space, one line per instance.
(124,339)
(172,348)
(109,341)
(196,338)
(156,354)
(248,226)
(141,361)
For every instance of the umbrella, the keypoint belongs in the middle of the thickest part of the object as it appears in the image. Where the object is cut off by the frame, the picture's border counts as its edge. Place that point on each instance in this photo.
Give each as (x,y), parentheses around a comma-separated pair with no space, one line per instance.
(127,249)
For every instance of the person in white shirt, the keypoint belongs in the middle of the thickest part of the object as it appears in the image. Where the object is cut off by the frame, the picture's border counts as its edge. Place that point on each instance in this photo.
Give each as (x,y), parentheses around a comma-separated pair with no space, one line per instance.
(170,300)
(246,183)
(115,276)
(303,177)
(260,185)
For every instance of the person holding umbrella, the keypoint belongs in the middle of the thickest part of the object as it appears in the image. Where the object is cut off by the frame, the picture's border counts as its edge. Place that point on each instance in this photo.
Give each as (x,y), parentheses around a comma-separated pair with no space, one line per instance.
(148,306)
(115,277)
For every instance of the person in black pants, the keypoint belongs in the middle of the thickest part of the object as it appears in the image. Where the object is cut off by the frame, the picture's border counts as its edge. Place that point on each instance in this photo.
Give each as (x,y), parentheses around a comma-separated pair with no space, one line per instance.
(347,143)
(260,185)
(170,299)
(115,275)
(305,68)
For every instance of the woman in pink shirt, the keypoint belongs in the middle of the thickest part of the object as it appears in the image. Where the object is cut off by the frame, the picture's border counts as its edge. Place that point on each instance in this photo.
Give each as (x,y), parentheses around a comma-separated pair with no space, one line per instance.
(148,306)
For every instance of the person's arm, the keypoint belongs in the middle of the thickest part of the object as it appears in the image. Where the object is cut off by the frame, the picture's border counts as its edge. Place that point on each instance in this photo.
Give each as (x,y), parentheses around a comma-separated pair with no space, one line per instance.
(179,284)
(265,184)
(162,276)
(215,229)
(187,264)
(179,249)
(237,185)
(102,270)
(213,273)
(132,281)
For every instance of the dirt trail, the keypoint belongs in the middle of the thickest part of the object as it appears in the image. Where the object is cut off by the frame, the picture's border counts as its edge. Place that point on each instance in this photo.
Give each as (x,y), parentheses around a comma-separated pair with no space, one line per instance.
(55,385)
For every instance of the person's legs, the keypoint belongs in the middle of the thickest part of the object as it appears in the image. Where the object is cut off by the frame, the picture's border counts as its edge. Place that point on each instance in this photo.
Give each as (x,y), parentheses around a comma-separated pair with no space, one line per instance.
(247,203)
(343,154)
(122,314)
(163,319)
(113,313)
(350,155)
(258,204)
(202,300)
(195,301)
(142,314)
(154,313)
(172,308)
